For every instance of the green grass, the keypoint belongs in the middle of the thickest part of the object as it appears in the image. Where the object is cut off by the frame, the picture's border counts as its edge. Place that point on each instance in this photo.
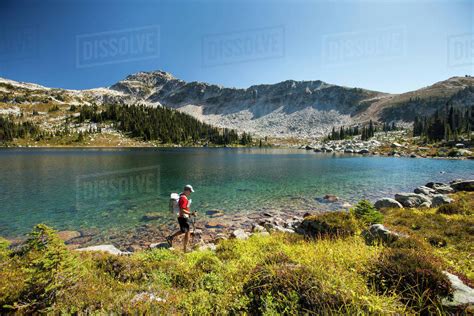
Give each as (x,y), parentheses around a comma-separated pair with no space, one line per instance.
(267,275)
(456,231)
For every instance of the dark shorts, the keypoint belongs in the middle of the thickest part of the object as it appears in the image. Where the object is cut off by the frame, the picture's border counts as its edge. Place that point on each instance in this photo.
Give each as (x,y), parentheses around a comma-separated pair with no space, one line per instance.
(183,224)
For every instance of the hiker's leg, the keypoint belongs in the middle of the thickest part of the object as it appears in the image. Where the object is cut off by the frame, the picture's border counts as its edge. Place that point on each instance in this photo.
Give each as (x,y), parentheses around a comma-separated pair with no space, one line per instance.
(186,239)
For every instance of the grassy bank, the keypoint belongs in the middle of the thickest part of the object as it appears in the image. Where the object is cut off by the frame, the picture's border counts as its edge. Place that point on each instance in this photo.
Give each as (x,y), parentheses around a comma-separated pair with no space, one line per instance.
(334,272)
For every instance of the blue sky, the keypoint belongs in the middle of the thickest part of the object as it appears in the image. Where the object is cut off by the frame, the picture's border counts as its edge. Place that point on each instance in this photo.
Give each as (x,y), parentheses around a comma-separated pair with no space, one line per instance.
(391,46)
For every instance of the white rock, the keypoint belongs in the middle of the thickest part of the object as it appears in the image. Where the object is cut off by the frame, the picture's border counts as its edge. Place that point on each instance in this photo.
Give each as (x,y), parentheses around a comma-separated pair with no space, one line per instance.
(105,248)
(462,295)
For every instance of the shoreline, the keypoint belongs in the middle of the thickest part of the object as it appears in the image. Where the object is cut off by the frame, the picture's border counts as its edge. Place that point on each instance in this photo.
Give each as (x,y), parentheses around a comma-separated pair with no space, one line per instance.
(387,155)
(210,227)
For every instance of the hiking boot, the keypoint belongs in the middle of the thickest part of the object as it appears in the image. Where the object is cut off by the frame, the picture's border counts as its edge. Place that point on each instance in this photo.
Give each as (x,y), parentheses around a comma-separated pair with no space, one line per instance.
(169,239)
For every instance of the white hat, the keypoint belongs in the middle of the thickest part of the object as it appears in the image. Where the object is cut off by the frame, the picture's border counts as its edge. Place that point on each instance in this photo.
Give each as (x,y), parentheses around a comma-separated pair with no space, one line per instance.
(188,186)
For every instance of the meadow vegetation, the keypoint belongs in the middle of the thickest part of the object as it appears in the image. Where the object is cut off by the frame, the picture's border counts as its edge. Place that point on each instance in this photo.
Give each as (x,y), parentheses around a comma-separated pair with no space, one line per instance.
(330,272)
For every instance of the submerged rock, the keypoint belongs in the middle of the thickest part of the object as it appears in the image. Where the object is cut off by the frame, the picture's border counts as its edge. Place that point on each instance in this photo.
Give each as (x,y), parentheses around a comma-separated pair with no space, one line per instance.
(412,199)
(151,216)
(67,235)
(330,198)
(387,203)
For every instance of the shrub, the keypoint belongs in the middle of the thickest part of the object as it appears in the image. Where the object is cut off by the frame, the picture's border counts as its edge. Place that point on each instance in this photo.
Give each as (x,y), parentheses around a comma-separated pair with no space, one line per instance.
(412,274)
(288,289)
(122,268)
(408,243)
(453,208)
(331,224)
(365,212)
(50,270)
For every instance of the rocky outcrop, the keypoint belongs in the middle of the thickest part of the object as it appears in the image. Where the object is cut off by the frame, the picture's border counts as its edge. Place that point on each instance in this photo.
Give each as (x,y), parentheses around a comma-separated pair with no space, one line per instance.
(378,233)
(111,249)
(425,190)
(440,199)
(441,188)
(463,295)
(240,234)
(387,203)
(412,199)
(463,185)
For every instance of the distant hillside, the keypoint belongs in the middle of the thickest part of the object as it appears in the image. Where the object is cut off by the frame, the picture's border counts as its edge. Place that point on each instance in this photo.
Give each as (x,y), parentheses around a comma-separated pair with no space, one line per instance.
(287,109)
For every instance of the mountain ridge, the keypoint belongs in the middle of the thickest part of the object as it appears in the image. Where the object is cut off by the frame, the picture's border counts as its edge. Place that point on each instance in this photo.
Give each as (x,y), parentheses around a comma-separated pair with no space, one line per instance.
(290,108)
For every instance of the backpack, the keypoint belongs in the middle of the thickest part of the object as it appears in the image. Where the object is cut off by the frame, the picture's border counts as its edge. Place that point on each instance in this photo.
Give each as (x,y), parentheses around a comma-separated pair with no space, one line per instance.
(174,202)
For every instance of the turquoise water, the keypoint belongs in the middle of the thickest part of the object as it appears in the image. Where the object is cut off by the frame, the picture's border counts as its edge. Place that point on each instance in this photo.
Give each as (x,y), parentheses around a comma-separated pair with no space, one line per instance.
(114,188)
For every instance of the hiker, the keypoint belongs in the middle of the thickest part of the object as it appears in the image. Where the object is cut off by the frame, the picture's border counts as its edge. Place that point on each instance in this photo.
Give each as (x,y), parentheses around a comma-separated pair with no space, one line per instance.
(183,216)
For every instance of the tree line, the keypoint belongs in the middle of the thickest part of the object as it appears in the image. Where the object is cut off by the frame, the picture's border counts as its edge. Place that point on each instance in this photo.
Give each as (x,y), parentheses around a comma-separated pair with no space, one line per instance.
(10,130)
(366,131)
(162,124)
(448,124)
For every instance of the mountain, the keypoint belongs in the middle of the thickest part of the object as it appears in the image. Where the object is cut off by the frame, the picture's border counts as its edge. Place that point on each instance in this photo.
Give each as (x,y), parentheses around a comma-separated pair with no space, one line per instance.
(286,109)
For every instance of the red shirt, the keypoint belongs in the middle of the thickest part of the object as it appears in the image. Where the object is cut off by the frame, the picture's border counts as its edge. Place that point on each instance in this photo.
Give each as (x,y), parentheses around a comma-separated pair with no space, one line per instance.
(183,204)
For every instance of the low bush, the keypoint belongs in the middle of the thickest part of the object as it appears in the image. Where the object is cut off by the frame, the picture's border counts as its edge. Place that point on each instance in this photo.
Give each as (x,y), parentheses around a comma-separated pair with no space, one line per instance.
(454,208)
(331,224)
(412,274)
(288,289)
(122,268)
(365,212)
(47,270)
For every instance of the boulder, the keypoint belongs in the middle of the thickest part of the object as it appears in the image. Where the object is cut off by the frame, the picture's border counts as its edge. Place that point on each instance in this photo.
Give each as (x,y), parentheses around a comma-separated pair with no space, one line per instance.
(441,188)
(425,205)
(425,190)
(363,151)
(378,233)
(111,249)
(396,145)
(412,199)
(459,145)
(463,152)
(463,295)
(387,203)
(440,199)
(67,235)
(258,228)
(463,185)
(239,234)
(209,246)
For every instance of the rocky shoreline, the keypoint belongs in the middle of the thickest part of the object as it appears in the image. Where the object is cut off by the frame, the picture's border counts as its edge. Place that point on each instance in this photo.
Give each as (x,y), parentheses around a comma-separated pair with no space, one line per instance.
(216,225)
